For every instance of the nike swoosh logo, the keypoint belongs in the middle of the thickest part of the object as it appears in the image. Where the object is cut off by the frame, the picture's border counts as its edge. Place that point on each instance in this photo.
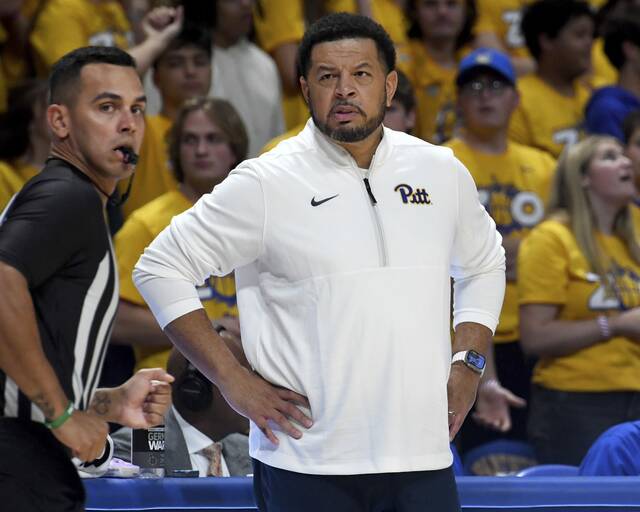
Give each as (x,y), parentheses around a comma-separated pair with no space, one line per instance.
(318,203)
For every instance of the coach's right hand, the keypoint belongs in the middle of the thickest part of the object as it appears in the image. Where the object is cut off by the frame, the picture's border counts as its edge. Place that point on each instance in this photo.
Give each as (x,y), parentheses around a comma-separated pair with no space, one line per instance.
(265,404)
(84,434)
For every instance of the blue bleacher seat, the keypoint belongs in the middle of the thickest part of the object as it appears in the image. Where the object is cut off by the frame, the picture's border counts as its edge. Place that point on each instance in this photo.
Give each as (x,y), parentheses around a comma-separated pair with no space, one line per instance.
(501,457)
(550,470)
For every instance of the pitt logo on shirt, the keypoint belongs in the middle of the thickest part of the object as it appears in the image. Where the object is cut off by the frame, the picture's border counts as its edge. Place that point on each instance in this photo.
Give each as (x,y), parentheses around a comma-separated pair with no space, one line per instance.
(411,196)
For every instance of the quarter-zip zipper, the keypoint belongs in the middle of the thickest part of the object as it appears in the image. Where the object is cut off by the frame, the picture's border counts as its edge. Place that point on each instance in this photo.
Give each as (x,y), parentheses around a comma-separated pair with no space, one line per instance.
(382,245)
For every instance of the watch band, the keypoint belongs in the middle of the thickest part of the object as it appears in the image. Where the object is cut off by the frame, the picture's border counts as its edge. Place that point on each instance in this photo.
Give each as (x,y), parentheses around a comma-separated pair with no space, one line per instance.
(464,358)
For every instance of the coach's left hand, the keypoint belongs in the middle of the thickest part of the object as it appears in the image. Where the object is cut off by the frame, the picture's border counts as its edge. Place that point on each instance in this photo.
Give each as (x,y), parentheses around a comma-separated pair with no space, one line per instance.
(461,394)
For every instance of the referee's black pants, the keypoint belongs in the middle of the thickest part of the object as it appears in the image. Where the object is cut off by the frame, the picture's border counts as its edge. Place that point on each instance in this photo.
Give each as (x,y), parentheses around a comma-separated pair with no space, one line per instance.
(278,490)
(36,474)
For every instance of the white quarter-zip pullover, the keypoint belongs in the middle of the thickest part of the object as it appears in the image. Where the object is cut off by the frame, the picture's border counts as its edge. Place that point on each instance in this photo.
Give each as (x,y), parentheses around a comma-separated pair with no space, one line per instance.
(343,285)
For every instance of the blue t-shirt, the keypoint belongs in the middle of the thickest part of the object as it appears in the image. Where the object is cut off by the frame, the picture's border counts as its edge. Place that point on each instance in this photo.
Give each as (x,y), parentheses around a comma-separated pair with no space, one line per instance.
(615,453)
(607,109)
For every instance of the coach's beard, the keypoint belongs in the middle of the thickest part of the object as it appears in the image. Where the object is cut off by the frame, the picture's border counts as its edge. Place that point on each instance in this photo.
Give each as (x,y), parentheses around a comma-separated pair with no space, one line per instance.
(356,134)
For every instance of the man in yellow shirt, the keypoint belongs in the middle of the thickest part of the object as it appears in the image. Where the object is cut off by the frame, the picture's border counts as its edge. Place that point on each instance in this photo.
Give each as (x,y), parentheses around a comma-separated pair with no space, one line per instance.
(513,183)
(206,142)
(499,26)
(559,35)
(183,71)
(439,34)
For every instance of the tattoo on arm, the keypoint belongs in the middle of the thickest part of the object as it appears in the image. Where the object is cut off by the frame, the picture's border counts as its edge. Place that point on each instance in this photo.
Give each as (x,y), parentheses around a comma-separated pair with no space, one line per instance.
(101,403)
(47,408)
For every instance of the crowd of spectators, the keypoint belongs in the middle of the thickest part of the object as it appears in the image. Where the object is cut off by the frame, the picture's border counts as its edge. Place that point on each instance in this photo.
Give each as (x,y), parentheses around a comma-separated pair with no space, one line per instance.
(539,100)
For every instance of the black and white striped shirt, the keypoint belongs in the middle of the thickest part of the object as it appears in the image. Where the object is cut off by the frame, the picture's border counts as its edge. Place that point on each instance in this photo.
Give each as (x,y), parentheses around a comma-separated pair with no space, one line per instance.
(54,233)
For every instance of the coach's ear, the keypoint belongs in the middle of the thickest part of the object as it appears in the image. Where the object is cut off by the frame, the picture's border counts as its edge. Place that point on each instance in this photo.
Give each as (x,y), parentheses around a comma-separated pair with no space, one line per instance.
(58,120)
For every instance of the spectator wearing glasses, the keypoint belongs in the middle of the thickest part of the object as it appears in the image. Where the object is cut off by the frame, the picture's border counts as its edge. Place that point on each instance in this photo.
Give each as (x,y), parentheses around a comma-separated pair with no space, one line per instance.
(513,183)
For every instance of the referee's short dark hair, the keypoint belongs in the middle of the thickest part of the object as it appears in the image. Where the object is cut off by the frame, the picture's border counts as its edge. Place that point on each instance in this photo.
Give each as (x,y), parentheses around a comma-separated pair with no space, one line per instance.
(342,25)
(549,17)
(65,73)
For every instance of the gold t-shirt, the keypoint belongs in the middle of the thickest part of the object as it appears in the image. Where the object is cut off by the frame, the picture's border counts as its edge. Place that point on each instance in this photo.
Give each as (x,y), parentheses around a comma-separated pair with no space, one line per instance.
(553,270)
(218,294)
(545,119)
(434,89)
(514,188)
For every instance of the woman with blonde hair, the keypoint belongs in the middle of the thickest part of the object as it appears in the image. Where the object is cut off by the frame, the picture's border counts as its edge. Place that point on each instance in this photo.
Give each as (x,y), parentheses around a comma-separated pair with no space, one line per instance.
(579,295)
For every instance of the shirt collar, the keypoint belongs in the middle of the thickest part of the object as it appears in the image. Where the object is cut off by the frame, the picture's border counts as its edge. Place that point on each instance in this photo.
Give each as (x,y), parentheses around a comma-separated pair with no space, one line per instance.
(195,440)
(336,153)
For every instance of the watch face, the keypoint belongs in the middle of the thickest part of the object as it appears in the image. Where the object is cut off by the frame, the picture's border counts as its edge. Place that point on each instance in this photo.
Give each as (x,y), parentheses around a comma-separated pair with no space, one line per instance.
(475,359)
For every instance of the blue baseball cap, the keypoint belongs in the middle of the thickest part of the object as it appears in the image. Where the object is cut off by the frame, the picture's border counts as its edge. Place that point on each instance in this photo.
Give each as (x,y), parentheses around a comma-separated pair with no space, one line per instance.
(486,58)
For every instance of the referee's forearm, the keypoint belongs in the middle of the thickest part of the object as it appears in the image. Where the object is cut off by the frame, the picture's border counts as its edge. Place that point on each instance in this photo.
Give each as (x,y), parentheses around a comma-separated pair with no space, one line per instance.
(21,354)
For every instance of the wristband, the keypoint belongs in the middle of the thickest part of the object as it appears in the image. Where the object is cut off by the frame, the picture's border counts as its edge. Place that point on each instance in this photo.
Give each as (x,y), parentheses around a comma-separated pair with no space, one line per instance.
(603,325)
(60,420)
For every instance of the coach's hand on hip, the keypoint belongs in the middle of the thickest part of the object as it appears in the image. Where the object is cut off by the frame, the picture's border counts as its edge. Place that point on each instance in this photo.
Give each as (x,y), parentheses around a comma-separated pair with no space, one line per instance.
(264,404)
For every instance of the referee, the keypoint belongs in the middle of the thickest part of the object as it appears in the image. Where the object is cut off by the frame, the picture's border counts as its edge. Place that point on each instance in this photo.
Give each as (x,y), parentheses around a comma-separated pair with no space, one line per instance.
(59,290)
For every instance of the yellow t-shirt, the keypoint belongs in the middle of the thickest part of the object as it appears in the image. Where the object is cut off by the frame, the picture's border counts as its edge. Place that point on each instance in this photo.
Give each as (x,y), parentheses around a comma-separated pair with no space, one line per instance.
(13,175)
(546,119)
(218,294)
(502,18)
(434,89)
(153,173)
(64,25)
(514,188)
(278,22)
(386,12)
(553,270)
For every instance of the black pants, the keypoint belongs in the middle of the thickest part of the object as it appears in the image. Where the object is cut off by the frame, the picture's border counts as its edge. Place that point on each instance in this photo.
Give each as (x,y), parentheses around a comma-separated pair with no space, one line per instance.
(36,474)
(564,424)
(278,490)
(514,373)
